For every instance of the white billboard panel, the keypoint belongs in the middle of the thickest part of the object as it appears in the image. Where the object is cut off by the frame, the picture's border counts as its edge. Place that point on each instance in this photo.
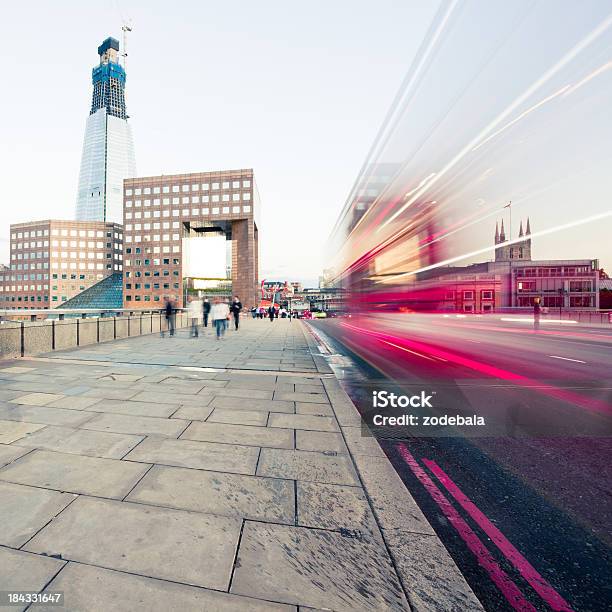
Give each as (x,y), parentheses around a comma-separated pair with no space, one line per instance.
(205,257)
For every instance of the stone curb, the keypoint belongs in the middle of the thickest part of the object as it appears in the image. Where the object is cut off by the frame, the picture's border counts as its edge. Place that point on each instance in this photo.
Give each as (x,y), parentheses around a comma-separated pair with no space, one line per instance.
(426,570)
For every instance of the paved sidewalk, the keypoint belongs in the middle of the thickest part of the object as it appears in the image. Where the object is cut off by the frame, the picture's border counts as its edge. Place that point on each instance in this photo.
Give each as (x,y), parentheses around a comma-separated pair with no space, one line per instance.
(194,474)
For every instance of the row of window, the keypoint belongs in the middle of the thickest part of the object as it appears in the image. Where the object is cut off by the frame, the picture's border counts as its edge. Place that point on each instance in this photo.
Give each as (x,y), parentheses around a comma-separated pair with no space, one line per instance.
(156,262)
(146,298)
(186,212)
(556,271)
(138,286)
(156,226)
(156,249)
(584,286)
(186,187)
(485,294)
(235,197)
(66,232)
(149,273)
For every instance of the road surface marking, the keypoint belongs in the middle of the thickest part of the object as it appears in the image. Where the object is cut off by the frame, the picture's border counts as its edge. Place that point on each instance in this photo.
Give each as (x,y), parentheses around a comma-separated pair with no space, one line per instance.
(504,583)
(567,359)
(527,571)
(401,348)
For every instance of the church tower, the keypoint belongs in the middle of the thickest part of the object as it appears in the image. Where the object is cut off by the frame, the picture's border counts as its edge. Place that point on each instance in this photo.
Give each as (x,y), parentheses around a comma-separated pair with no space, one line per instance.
(520,250)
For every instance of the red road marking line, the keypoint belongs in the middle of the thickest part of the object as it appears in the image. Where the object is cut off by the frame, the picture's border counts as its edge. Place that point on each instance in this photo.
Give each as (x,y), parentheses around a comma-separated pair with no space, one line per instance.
(529,573)
(503,582)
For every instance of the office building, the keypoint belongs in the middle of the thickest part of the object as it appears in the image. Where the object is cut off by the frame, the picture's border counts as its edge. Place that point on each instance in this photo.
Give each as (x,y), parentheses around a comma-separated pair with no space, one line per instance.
(52,261)
(108,147)
(186,231)
(515,280)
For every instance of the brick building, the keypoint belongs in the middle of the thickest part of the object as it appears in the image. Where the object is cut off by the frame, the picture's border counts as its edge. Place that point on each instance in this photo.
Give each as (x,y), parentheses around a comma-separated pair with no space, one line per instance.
(52,261)
(161,212)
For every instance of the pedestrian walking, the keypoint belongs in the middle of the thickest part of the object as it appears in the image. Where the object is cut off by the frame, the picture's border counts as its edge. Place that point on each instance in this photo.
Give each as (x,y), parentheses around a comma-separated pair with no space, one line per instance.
(194,310)
(205,311)
(235,309)
(271,312)
(536,313)
(220,314)
(169,313)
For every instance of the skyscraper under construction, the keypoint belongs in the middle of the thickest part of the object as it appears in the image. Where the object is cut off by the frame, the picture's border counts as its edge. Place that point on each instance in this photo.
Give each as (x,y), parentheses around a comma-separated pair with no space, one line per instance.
(108,148)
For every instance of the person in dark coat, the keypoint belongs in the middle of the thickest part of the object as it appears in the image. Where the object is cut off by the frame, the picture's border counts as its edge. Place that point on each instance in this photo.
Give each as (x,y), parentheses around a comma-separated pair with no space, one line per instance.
(205,311)
(271,312)
(169,312)
(235,308)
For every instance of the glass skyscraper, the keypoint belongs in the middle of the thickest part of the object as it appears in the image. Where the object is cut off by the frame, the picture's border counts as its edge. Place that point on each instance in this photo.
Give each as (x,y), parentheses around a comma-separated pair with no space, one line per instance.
(108,148)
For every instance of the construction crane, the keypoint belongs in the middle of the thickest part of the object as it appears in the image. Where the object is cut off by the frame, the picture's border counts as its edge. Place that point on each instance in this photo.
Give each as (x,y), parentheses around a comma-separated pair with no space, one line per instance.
(125,28)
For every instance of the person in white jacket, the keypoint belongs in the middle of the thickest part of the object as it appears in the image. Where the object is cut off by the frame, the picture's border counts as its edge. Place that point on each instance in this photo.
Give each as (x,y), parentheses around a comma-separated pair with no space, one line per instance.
(194,310)
(220,314)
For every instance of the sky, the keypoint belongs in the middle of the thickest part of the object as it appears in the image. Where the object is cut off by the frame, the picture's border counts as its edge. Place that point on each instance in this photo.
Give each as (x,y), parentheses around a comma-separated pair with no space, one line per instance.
(295,90)
(509,102)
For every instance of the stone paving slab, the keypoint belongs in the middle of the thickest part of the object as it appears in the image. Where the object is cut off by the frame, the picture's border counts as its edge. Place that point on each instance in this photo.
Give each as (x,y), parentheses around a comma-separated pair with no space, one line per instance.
(431,577)
(303,421)
(239,434)
(10,453)
(90,589)
(131,408)
(327,506)
(176,398)
(81,442)
(393,505)
(12,431)
(110,392)
(75,403)
(361,444)
(322,442)
(253,404)
(244,393)
(316,409)
(36,399)
(234,495)
(197,455)
(28,572)
(24,510)
(139,425)
(305,465)
(193,548)
(315,568)
(314,398)
(75,474)
(43,414)
(238,417)
(192,413)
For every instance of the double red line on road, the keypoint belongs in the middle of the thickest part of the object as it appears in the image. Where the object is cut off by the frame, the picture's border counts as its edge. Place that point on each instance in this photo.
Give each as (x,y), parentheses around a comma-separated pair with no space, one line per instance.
(504,583)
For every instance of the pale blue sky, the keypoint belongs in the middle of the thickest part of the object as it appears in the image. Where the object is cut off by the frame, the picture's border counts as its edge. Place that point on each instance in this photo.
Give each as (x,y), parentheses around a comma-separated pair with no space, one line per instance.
(295,90)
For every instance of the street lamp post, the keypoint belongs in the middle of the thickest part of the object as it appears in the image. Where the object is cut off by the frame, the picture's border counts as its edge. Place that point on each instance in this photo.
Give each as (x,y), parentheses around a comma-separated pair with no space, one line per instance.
(561,295)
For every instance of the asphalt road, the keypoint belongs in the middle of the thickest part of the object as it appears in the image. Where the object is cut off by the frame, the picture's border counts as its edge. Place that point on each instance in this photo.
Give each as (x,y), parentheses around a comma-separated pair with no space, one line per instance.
(523,503)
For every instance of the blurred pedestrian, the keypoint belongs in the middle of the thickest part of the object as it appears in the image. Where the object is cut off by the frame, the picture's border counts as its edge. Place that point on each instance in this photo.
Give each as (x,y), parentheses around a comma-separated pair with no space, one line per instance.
(194,310)
(235,309)
(220,314)
(169,312)
(271,312)
(536,313)
(205,311)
